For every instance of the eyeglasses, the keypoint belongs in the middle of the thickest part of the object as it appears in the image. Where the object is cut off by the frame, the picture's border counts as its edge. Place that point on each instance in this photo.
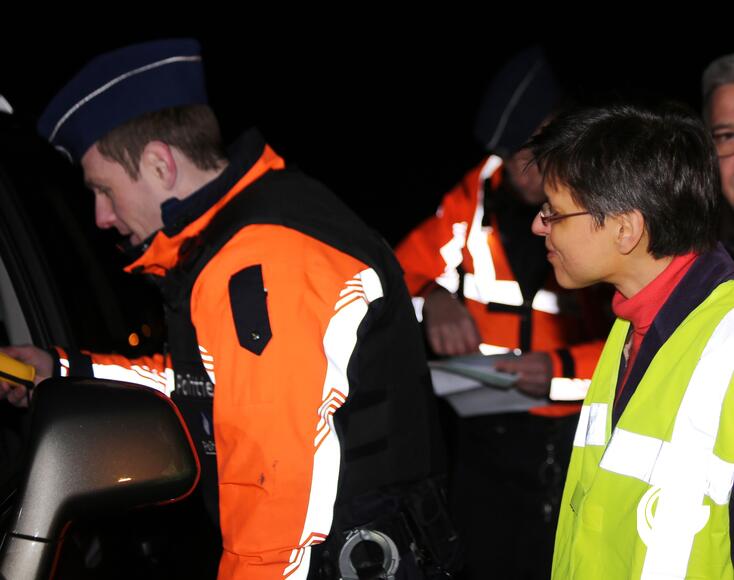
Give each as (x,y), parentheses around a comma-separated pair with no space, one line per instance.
(724,141)
(548,216)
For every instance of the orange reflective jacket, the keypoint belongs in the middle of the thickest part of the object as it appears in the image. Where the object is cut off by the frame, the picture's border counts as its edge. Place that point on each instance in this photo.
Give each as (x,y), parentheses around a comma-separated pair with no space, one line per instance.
(457,251)
(339,326)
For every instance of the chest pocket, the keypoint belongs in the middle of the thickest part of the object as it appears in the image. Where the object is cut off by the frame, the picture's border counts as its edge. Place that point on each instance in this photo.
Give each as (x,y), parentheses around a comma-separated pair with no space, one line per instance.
(248,300)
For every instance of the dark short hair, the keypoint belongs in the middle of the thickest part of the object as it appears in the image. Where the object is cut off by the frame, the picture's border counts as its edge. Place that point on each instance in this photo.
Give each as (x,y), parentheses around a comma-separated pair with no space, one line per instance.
(656,159)
(192,129)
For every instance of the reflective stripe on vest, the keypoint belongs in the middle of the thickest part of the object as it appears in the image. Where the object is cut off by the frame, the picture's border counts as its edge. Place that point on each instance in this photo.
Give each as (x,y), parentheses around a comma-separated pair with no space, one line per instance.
(452,256)
(64,364)
(490,349)
(567,389)
(683,470)
(340,340)
(592,426)
(654,461)
(507,292)
(482,285)
(137,374)
(477,241)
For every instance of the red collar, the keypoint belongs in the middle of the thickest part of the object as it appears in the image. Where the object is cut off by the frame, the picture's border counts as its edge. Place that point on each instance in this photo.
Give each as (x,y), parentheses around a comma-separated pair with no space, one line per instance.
(642,308)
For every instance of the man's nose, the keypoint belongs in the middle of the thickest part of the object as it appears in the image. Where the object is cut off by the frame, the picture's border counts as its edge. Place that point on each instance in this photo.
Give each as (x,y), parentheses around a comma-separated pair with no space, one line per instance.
(104,215)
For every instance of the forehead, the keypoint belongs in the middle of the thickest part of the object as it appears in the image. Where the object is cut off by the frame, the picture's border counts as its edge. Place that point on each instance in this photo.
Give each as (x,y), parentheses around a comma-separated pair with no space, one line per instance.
(722,105)
(558,193)
(560,196)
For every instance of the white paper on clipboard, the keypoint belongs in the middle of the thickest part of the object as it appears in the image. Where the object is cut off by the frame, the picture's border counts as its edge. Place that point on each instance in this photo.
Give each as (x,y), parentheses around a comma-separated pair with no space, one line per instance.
(471,397)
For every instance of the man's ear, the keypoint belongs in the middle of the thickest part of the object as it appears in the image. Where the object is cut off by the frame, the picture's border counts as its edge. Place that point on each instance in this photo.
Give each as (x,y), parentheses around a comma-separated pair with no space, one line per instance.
(158,164)
(629,231)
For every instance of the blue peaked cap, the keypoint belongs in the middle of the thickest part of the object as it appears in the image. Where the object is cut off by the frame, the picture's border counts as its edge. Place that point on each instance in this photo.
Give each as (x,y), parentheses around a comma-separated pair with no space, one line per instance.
(121,85)
(519,97)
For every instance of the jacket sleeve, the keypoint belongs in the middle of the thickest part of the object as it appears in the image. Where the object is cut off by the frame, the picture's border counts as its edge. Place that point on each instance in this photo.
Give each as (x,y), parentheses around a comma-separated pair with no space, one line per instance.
(573,367)
(280,349)
(152,371)
(433,251)
(577,361)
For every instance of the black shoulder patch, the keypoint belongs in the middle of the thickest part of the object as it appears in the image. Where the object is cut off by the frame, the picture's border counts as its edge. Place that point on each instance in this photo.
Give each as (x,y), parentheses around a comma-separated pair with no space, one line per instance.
(248,299)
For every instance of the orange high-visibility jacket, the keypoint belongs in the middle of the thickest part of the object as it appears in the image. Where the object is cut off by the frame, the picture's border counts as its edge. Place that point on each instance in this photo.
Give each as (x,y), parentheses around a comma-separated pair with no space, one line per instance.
(340,327)
(455,250)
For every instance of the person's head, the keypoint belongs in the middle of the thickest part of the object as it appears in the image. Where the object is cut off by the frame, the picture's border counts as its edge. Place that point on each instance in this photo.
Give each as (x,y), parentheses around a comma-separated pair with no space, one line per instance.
(524,177)
(646,178)
(520,98)
(718,112)
(137,121)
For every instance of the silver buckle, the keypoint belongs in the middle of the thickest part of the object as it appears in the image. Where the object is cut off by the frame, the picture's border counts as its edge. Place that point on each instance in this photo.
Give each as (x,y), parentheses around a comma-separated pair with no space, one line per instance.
(390,561)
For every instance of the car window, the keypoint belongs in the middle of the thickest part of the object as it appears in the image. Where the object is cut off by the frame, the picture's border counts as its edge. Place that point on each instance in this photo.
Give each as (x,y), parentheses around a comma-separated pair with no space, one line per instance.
(61,280)
(13,326)
(63,274)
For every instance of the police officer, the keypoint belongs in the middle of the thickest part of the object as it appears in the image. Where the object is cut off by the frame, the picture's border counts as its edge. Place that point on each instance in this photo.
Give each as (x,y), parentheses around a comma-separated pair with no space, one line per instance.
(293,351)
(485,284)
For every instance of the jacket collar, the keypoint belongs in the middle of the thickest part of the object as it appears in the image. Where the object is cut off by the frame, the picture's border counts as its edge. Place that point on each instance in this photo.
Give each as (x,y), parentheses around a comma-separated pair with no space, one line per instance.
(707,272)
(249,158)
(241,156)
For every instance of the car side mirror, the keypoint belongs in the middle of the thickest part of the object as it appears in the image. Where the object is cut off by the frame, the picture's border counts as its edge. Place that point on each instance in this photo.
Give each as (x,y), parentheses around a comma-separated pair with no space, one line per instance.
(95,447)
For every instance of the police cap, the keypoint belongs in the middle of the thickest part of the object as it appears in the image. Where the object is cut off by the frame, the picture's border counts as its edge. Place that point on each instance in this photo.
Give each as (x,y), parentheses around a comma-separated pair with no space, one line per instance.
(121,85)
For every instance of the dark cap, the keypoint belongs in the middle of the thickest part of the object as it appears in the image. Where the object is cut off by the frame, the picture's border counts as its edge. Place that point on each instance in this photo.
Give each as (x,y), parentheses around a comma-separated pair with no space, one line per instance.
(520,96)
(120,85)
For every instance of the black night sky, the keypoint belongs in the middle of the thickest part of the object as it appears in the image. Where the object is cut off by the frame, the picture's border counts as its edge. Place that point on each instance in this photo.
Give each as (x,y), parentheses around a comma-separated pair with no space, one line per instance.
(380,110)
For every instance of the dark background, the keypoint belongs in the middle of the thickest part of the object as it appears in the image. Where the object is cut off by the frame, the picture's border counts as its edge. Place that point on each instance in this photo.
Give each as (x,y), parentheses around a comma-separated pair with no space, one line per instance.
(379,108)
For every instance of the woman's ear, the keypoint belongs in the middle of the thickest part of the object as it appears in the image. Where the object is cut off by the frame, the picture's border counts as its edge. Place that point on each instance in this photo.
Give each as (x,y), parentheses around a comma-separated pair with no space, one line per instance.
(629,230)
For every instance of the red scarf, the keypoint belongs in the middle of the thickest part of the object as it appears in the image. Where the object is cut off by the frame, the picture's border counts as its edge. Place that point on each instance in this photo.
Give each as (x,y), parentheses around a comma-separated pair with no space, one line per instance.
(640,310)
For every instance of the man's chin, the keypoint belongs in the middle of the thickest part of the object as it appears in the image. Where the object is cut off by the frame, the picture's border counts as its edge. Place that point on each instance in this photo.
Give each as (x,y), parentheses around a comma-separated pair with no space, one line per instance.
(127,244)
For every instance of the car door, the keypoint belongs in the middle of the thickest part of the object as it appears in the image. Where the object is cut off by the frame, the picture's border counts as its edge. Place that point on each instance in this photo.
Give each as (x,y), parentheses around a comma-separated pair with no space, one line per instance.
(61,283)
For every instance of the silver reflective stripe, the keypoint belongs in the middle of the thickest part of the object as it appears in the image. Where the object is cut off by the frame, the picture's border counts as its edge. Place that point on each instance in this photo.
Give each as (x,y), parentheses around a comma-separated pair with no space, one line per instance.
(566,389)
(489,349)
(478,241)
(546,301)
(113,82)
(492,164)
(64,367)
(506,292)
(451,252)
(418,303)
(631,454)
(371,285)
(482,285)
(452,257)
(339,344)
(597,431)
(579,439)
(592,427)
(720,480)
(684,469)
(138,374)
(499,291)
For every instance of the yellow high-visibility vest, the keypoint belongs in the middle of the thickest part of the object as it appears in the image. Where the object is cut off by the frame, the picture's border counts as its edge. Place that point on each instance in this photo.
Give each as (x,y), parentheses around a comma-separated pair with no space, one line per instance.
(650,499)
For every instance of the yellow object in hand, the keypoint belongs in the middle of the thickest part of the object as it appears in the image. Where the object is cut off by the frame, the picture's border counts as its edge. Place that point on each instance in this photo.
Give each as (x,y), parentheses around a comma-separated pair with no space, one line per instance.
(16,372)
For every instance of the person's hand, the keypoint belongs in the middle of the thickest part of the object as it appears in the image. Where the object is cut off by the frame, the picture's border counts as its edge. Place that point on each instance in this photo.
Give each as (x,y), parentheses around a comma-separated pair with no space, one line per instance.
(534,372)
(449,326)
(34,356)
